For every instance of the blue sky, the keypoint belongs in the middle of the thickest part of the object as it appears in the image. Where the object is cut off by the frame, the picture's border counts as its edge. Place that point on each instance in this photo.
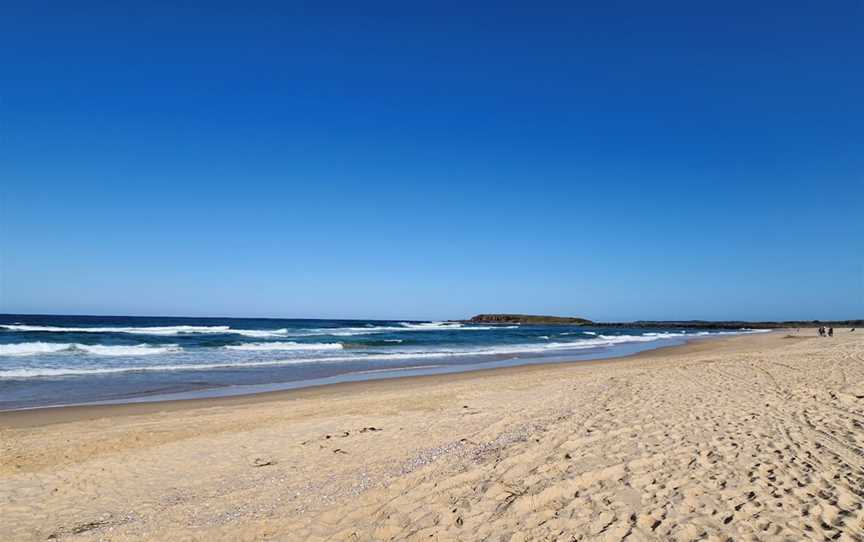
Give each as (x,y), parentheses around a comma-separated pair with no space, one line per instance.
(613,160)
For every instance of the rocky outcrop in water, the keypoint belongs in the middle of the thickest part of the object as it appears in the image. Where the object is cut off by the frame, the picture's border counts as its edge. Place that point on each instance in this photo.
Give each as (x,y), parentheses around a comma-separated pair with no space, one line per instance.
(528,319)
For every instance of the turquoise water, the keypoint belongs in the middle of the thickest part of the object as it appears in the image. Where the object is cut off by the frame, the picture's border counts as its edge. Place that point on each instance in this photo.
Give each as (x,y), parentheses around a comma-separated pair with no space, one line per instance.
(54,360)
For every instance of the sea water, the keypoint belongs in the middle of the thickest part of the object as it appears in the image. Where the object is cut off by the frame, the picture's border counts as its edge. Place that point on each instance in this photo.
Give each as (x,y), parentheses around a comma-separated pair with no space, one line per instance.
(57,360)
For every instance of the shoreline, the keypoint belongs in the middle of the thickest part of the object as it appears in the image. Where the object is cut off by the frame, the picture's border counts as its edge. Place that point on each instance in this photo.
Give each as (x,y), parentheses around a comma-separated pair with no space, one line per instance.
(739,437)
(58,365)
(53,414)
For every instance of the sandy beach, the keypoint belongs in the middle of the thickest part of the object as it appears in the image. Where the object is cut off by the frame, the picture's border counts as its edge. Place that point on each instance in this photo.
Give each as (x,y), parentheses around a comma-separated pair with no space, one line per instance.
(755,437)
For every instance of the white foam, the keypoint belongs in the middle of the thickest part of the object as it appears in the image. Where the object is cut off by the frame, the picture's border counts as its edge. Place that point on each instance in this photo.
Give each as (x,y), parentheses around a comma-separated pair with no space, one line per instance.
(402,327)
(30,349)
(597,342)
(255,333)
(33,372)
(432,325)
(285,346)
(37,348)
(72,371)
(446,326)
(351,331)
(260,333)
(123,350)
(154,330)
(647,337)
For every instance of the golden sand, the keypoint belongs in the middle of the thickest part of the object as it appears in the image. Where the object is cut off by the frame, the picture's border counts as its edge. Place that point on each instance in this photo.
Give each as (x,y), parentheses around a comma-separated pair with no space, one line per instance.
(745,438)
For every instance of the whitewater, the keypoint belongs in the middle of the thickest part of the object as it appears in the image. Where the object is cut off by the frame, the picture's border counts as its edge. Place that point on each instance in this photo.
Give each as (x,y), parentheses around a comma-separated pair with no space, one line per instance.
(71,359)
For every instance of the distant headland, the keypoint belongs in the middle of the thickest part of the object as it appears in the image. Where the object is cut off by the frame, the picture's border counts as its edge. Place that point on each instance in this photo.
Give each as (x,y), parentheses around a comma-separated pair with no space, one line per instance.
(701,324)
(528,319)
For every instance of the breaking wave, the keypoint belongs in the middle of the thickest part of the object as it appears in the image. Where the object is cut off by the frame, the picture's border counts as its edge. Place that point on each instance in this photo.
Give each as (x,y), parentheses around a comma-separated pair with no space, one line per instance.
(155,330)
(69,358)
(285,346)
(37,348)
(401,327)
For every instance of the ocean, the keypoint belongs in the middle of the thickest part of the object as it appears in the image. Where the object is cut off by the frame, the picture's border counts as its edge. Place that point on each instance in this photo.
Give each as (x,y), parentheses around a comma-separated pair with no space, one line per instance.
(62,360)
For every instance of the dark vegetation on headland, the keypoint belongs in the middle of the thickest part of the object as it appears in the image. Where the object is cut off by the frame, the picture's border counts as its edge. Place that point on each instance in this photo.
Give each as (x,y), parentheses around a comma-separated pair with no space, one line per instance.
(528,319)
(698,324)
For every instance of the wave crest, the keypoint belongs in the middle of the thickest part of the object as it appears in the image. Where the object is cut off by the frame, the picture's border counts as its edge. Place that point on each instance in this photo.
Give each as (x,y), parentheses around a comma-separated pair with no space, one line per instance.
(37,348)
(30,349)
(154,330)
(285,346)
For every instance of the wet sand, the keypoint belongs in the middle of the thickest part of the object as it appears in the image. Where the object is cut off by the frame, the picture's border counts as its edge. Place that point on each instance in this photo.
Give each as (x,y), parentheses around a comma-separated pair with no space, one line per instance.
(753,437)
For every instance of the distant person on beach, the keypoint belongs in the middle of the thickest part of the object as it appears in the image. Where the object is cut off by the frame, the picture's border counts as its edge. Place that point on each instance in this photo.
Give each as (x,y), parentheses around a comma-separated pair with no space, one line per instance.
(830,331)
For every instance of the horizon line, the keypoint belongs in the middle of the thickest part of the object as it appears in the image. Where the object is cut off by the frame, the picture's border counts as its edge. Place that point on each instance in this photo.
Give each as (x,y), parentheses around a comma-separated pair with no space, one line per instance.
(671,321)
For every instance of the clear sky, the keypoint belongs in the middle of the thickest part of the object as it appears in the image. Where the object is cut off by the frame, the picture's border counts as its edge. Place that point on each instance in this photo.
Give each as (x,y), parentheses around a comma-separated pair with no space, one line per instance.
(613,160)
